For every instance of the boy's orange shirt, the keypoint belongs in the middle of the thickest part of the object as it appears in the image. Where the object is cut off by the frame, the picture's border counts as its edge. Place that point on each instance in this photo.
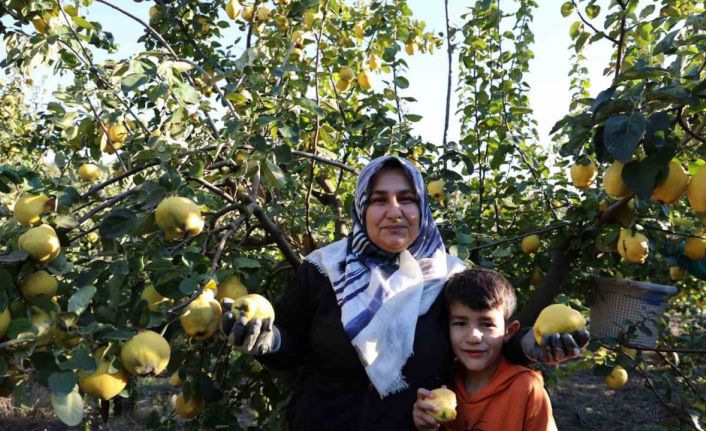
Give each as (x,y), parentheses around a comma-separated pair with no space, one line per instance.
(513,400)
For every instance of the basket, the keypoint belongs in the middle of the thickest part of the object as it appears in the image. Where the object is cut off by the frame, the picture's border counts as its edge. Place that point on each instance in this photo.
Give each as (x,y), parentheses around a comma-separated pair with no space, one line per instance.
(619,300)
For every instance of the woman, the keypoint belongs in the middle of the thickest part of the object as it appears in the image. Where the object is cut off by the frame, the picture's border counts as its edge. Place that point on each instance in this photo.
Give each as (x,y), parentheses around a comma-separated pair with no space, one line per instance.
(364,319)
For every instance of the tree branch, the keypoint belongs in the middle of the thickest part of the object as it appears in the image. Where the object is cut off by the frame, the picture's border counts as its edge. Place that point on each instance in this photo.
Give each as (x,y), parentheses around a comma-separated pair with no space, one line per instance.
(98,187)
(326,161)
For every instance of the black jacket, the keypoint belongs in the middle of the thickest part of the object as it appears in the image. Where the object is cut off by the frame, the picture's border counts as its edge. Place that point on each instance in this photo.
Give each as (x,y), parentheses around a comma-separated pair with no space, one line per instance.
(333,391)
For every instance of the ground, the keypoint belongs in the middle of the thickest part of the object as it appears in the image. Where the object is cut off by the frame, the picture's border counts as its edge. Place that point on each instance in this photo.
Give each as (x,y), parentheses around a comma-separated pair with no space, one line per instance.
(580,402)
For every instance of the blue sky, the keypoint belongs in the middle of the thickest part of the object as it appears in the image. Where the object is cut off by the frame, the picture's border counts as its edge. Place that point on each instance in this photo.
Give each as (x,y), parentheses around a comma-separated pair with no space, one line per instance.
(548,77)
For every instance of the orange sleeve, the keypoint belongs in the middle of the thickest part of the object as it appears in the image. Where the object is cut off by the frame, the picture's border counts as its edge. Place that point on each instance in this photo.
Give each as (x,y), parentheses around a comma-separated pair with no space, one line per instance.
(538,414)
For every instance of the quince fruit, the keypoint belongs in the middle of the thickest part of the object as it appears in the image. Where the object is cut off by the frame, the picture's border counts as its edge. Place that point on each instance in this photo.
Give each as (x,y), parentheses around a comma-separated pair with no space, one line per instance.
(673,186)
(178,216)
(102,383)
(695,248)
(342,85)
(231,288)
(37,283)
(5,319)
(248,12)
(617,378)
(633,246)
(583,175)
(310,17)
(9,101)
(200,319)
(117,134)
(358,30)
(43,325)
(92,237)
(152,297)
(232,9)
(557,318)
(263,13)
(188,409)
(364,80)
(445,402)
(373,62)
(175,380)
(346,73)
(410,47)
(89,172)
(436,189)
(29,208)
(253,306)
(41,243)
(530,244)
(696,191)
(676,273)
(147,353)
(613,181)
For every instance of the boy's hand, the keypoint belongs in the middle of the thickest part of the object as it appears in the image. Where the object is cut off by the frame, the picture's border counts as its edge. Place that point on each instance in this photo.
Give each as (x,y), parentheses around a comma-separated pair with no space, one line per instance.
(423,420)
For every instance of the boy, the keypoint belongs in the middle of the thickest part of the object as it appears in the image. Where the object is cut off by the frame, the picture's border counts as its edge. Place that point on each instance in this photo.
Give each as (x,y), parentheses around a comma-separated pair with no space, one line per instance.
(492,394)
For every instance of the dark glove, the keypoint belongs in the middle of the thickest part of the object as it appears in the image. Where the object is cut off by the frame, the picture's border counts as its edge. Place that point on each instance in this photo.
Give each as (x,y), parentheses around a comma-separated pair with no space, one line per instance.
(555,347)
(253,337)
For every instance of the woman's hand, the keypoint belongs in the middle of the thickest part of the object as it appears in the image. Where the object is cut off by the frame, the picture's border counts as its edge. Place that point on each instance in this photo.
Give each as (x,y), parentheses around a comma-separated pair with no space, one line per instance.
(253,337)
(555,347)
(422,420)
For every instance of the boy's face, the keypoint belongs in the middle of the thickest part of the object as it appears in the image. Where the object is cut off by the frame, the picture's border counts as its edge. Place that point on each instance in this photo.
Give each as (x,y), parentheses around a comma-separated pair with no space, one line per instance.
(477,337)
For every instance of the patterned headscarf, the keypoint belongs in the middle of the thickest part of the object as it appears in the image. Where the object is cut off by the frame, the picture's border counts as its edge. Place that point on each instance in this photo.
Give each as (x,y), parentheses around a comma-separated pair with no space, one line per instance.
(381,294)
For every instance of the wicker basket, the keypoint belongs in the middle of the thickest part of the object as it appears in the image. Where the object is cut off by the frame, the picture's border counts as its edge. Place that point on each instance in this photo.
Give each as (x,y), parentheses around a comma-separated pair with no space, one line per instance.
(620,300)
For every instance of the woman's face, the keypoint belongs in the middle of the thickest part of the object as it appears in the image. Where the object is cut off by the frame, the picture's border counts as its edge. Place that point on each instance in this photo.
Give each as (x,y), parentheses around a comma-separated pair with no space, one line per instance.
(392,217)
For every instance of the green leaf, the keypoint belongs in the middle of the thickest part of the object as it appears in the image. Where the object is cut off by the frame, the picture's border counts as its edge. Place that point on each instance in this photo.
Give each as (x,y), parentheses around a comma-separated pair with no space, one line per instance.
(18,326)
(413,117)
(14,257)
(68,196)
(593,10)
(246,263)
(186,94)
(80,360)
(642,176)
(575,29)
(117,223)
(674,94)
(133,81)
(666,45)
(622,134)
(189,285)
(401,82)
(311,106)
(80,300)
(273,175)
(68,408)
(62,383)
(567,9)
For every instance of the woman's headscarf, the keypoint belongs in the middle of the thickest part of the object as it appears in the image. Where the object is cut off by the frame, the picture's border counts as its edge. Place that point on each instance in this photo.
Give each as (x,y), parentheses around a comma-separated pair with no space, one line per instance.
(381,294)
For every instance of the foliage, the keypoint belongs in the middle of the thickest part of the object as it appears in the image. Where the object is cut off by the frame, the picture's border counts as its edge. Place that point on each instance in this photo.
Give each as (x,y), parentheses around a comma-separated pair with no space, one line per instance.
(250,119)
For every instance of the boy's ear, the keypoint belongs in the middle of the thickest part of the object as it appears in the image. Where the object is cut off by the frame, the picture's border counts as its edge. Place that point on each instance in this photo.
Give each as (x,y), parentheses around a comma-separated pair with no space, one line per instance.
(511,329)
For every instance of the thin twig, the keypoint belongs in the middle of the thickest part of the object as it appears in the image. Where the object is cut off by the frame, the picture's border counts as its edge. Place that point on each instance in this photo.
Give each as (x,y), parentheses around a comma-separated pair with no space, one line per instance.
(449,52)
(104,205)
(519,237)
(326,161)
(621,41)
(602,33)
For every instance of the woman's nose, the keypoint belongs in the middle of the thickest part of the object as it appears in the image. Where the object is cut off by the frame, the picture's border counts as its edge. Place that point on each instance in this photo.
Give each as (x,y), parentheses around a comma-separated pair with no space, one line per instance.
(394,210)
